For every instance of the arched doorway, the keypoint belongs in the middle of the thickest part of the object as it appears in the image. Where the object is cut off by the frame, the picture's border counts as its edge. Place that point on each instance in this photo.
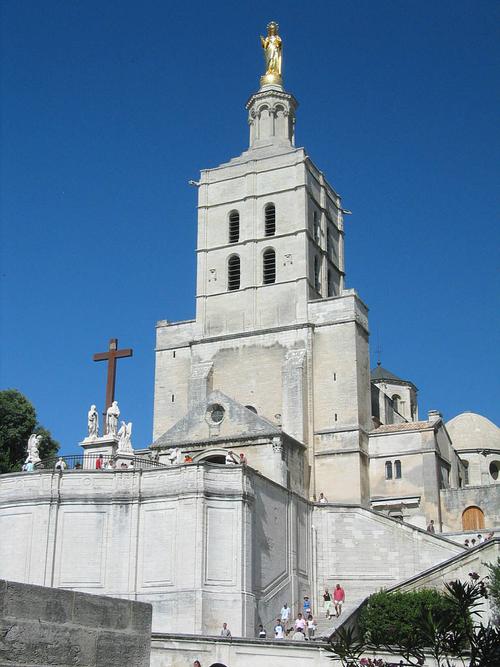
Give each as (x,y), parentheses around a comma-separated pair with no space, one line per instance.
(216,458)
(472,518)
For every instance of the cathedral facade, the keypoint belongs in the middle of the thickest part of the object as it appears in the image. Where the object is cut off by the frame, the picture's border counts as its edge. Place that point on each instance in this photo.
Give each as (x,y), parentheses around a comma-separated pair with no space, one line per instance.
(274,367)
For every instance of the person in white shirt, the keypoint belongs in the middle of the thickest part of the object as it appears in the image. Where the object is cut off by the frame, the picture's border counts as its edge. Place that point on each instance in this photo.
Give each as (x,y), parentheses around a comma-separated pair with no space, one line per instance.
(311,626)
(231,458)
(298,635)
(322,498)
(225,632)
(61,464)
(285,615)
(279,633)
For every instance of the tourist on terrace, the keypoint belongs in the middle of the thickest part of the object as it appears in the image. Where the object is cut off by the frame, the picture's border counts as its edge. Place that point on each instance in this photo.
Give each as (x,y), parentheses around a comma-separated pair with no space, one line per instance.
(231,458)
(285,615)
(339,598)
(327,599)
(322,498)
(225,632)
(60,464)
(279,632)
(311,626)
(300,622)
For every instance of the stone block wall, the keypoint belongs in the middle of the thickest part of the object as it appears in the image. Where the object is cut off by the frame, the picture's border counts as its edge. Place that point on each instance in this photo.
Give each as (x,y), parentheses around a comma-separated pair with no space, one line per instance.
(48,626)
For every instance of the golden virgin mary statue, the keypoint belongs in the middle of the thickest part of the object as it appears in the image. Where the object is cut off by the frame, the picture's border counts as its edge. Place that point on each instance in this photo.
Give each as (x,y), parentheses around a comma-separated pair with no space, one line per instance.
(272,46)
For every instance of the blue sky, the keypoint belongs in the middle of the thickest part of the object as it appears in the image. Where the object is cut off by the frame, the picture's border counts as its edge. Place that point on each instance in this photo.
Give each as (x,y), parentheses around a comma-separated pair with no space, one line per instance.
(110,108)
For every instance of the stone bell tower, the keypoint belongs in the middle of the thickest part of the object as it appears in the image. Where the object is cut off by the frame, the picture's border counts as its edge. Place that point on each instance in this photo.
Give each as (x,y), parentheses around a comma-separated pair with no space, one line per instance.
(275,328)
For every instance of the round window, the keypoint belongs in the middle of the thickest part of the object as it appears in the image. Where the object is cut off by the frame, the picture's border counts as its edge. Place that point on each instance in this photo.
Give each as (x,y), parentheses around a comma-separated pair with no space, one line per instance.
(216,413)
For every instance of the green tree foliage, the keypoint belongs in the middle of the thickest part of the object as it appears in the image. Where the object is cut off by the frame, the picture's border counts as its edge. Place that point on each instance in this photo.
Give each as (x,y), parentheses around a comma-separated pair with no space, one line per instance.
(494,586)
(417,625)
(17,422)
(395,618)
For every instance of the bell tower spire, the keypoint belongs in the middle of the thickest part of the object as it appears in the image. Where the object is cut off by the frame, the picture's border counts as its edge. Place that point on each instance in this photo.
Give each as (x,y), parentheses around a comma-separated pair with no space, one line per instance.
(271,111)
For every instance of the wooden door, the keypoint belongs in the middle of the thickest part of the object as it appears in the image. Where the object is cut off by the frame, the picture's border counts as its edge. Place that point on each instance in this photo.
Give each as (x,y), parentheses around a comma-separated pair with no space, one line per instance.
(472,519)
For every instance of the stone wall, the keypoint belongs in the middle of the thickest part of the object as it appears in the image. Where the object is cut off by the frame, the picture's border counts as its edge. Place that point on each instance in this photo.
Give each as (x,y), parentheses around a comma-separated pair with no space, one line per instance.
(455,501)
(47,626)
(365,551)
(202,543)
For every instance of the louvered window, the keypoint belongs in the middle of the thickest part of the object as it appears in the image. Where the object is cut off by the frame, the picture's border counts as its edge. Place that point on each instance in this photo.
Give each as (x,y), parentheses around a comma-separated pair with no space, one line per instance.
(269,267)
(234,227)
(388,470)
(331,285)
(317,283)
(397,469)
(270,220)
(317,230)
(233,273)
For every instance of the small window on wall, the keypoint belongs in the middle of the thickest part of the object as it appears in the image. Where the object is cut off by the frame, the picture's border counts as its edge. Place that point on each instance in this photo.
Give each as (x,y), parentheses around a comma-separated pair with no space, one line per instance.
(388,470)
(270,220)
(396,402)
(466,472)
(234,227)
(494,469)
(233,273)
(397,469)
(317,282)
(269,267)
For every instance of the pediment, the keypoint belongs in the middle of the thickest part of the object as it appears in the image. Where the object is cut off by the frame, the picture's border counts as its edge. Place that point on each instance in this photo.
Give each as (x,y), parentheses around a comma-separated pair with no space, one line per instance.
(217,417)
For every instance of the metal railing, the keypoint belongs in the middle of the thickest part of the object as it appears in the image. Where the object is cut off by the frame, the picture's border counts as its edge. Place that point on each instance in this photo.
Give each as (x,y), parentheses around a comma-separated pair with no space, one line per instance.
(104,462)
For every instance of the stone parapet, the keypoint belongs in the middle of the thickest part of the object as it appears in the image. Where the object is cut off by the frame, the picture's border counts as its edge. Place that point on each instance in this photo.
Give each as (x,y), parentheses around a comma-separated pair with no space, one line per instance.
(50,626)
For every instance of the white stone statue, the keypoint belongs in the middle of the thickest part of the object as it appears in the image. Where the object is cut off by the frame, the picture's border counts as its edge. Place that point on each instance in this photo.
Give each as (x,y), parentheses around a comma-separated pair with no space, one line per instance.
(174,456)
(93,422)
(33,445)
(112,414)
(124,435)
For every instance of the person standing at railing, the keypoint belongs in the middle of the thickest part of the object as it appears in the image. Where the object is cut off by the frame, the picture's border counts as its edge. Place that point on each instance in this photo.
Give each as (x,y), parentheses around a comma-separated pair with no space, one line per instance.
(60,464)
(99,464)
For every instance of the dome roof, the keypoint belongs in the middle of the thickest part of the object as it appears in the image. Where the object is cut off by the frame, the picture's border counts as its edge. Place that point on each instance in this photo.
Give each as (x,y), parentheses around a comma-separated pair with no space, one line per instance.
(471,431)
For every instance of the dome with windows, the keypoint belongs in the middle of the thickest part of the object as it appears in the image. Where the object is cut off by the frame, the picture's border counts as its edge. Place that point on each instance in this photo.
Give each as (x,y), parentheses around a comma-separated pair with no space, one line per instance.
(469,430)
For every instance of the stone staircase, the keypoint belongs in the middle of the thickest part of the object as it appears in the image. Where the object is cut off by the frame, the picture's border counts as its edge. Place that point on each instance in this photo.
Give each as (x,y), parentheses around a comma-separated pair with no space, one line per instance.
(327,626)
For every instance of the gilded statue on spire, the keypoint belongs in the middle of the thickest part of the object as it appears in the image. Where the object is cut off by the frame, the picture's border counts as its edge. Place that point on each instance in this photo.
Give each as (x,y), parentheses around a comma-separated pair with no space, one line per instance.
(272,46)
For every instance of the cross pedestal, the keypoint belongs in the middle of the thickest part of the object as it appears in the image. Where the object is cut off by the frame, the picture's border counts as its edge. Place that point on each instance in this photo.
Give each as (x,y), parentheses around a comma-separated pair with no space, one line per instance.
(107,445)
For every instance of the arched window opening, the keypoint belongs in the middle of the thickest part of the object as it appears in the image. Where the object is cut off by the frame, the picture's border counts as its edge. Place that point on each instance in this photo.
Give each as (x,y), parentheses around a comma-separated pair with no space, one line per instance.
(233,273)
(270,220)
(397,469)
(317,282)
(466,471)
(494,469)
(396,402)
(317,230)
(473,518)
(251,408)
(388,470)
(331,284)
(234,227)
(330,246)
(269,267)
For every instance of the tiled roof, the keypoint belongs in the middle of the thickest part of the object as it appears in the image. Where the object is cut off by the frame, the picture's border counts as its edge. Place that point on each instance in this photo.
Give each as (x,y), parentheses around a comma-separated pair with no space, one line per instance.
(406,426)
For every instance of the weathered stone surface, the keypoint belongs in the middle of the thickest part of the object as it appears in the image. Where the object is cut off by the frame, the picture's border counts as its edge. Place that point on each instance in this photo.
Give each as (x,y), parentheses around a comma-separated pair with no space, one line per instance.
(42,627)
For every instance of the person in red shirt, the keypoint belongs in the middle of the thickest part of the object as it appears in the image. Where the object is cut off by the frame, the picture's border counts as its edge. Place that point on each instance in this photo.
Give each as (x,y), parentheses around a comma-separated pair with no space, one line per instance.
(99,462)
(338,598)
